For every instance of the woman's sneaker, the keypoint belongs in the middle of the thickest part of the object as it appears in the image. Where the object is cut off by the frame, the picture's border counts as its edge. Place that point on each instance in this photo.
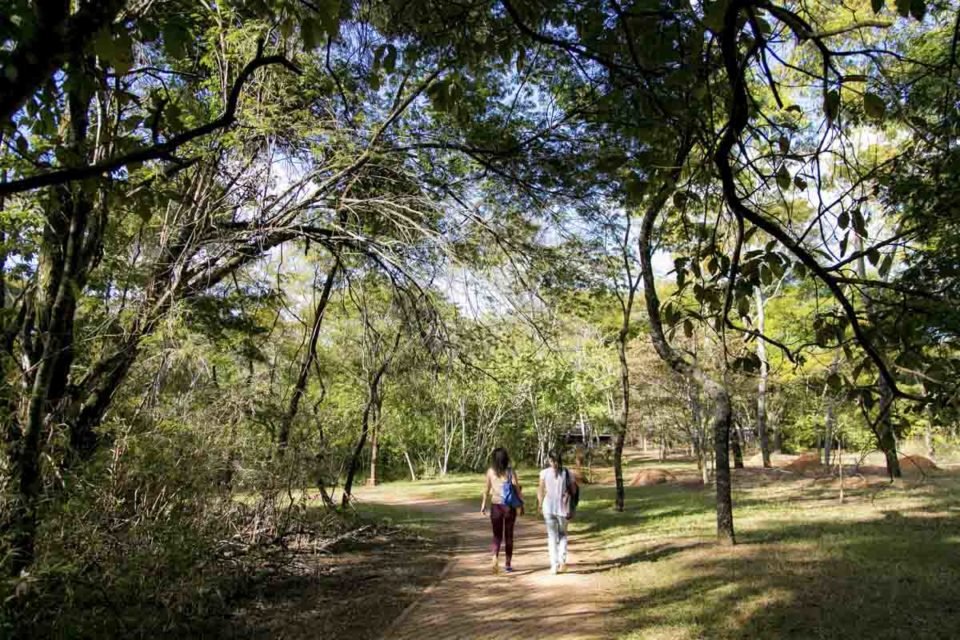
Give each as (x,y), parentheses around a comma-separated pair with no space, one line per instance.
(563,568)
(495,565)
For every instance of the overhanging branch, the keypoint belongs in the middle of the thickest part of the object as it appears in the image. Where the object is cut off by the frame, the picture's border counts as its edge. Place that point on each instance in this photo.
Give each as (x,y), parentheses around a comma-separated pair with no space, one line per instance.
(157,151)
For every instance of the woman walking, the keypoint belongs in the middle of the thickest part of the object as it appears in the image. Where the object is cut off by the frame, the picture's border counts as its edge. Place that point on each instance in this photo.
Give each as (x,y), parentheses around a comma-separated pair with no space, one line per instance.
(504,491)
(553,501)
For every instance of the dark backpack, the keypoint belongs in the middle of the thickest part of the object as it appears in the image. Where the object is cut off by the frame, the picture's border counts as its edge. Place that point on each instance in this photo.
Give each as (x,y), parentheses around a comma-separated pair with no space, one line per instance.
(510,496)
(573,490)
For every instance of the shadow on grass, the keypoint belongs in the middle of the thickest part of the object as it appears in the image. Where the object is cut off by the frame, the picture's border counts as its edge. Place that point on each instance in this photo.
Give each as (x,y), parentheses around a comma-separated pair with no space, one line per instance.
(889,569)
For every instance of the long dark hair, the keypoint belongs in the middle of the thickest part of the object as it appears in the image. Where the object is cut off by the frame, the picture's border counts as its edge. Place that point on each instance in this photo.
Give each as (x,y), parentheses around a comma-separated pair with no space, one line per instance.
(554,456)
(500,461)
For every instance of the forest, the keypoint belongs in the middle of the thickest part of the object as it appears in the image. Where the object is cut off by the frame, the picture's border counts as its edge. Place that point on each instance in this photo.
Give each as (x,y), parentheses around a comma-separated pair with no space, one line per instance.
(267,265)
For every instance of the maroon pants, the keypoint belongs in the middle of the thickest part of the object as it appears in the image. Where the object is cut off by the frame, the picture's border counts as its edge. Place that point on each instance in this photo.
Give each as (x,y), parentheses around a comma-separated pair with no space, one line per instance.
(502,518)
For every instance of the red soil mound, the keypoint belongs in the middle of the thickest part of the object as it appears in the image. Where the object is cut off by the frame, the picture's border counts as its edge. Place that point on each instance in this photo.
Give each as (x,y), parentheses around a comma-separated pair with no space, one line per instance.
(807,463)
(580,476)
(917,463)
(650,477)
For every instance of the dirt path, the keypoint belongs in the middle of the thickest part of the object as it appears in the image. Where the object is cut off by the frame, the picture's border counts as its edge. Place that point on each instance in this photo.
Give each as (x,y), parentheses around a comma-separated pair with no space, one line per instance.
(469,602)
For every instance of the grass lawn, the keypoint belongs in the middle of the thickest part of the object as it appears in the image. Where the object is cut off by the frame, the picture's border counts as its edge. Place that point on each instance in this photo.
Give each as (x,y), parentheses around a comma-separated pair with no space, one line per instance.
(885,564)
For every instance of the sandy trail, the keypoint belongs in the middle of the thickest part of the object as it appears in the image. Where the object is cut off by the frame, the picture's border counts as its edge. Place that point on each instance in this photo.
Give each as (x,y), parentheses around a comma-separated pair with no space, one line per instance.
(469,602)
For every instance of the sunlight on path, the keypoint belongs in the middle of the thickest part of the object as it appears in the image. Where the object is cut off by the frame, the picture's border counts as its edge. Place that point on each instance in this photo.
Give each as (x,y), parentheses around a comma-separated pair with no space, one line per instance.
(469,602)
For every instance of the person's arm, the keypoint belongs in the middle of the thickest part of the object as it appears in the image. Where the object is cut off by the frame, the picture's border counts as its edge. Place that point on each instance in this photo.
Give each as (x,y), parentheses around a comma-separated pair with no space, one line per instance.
(541,491)
(486,491)
(516,482)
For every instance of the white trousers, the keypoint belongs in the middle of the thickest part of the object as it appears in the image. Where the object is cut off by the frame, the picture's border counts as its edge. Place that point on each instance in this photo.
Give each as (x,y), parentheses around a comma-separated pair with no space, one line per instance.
(556,539)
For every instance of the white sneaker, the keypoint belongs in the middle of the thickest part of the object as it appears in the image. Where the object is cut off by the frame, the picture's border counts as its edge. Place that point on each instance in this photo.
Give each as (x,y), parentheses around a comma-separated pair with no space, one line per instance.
(553,570)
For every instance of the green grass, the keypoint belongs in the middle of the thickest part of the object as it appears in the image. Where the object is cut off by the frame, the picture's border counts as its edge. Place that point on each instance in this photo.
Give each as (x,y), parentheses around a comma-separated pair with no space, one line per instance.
(885,564)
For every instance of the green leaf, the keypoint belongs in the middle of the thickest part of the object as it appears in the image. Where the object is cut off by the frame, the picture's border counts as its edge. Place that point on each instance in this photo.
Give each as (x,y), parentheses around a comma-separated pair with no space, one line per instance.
(713,15)
(390,58)
(859,224)
(831,104)
(176,39)
(903,7)
(635,187)
(843,243)
(795,108)
(784,143)
(115,49)
(784,178)
(834,381)
(688,328)
(877,5)
(329,15)
(885,265)
(918,9)
(874,106)
(776,267)
(311,33)
(521,59)
(799,183)
(873,256)
(843,220)
(766,276)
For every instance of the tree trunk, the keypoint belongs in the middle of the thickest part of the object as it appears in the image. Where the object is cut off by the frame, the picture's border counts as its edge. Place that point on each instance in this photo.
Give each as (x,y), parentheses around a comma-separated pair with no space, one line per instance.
(374,450)
(737,450)
(722,415)
(886,438)
(373,400)
(358,450)
(624,417)
(762,383)
(68,243)
(717,391)
(300,386)
(699,436)
(829,419)
(413,473)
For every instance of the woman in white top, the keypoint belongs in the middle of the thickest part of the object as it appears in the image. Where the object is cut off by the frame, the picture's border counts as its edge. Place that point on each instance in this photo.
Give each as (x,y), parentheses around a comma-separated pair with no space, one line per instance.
(553,501)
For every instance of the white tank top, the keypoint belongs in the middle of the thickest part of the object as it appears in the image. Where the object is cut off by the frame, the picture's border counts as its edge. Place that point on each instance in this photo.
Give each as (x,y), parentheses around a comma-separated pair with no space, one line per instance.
(556,489)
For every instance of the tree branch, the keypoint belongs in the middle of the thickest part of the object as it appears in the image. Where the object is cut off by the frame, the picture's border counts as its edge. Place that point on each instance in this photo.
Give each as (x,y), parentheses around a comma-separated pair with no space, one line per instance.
(157,151)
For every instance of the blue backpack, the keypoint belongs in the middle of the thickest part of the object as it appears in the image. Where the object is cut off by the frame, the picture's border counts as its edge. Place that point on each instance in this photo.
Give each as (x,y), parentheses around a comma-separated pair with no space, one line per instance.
(510,496)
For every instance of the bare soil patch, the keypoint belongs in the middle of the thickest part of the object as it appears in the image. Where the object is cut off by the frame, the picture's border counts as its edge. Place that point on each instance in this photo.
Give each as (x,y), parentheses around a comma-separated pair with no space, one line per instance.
(355,589)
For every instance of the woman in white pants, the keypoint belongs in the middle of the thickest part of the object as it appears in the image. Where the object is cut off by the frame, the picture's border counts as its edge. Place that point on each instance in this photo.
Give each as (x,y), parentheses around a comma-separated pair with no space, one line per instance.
(553,501)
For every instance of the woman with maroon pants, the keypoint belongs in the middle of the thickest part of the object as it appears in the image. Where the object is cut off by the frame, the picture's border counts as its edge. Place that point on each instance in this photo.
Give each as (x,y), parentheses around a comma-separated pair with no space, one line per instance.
(502,516)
